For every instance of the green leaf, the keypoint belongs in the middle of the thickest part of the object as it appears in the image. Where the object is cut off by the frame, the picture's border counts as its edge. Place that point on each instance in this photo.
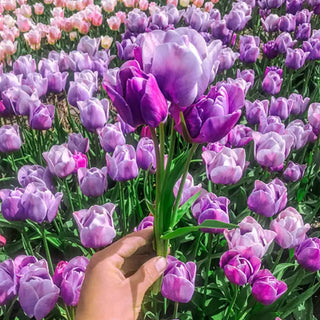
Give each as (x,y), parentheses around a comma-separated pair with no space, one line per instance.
(280,268)
(208,224)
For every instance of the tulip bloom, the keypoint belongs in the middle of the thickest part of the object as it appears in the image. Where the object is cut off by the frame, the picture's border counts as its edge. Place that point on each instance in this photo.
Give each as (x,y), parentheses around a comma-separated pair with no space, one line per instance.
(93,182)
(110,136)
(146,222)
(146,156)
(10,207)
(9,138)
(280,107)
(249,48)
(96,225)
(8,281)
(272,82)
(24,65)
(35,173)
(294,171)
(295,58)
(256,111)
(271,123)
(313,117)
(299,103)
(76,142)
(41,116)
(178,280)
(308,254)
(300,132)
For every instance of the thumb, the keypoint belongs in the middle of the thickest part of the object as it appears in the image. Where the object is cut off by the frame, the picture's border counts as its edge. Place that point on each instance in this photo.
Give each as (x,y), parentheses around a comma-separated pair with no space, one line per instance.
(147,275)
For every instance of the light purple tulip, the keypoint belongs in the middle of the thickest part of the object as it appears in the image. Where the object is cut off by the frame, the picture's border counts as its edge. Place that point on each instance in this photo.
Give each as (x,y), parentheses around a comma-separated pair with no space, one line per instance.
(226,166)
(299,104)
(76,142)
(237,19)
(287,23)
(269,4)
(95,225)
(41,116)
(110,136)
(303,16)
(89,45)
(57,81)
(271,123)
(308,254)
(247,75)
(22,264)
(10,207)
(48,66)
(226,59)
(146,222)
(256,111)
(301,133)
(284,42)
(8,281)
(249,48)
(137,21)
(268,199)
(89,78)
(295,58)
(272,82)
(303,31)
(220,31)
(24,65)
(9,138)
(239,136)
(93,182)
(313,117)
(280,107)
(35,82)
(83,60)
(250,238)
(79,91)
(289,228)
(146,155)
(294,171)
(65,62)
(270,23)
(35,173)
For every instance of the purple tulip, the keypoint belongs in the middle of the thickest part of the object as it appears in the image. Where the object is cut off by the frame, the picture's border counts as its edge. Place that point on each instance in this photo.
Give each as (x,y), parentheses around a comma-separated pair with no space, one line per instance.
(308,254)
(287,23)
(239,268)
(88,78)
(293,6)
(22,264)
(220,31)
(268,199)
(8,80)
(197,19)
(237,19)
(146,155)
(148,107)
(89,45)
(189,189)
(284,41)
(269,4)
(299,104)
(213,116)
(250,238)
(270,49)
(210,207)
(249,48)
(271,148)
(93,182)
(294,171)
(303,31)
(8,281)
(11,208)
(126,48)
(59,161)
(57,81)
(226,166)
(35,82)
(35,173)
(110,136)
(271,123)
(295,58)
(145,223)
(72,280)
(266,288)
(303,16)
(280,107)
(48,66)
(301,133)
(65,62)
(76,142)
(122,166)
(95,225)
(9,138)
(227,59)
(24,65)
(41,116)
(58,272)
(79,91)
(192,66)
(247,75)
(313,117)
(270,23)
(256,111)
(137,21)
(239,136)
(313,47)
(178,280)
(82,60)
(272,82)
(289,228)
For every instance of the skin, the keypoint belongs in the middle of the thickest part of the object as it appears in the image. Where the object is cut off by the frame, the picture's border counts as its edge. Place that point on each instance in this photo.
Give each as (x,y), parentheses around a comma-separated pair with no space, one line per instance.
(118,277)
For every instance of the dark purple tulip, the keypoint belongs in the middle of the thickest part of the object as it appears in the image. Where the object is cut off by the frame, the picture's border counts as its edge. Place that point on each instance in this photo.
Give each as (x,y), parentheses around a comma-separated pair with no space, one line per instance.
(8,281)
(269,4)
(272,83)
(83,60)
(72,280)
(239,268)
(293,6)
(308,254)
(280,107)
(178,280)
(268,199)
(236,19)
(239,136)
(95,225)
(9,138)
(250,238)
(39,203)
(210,207)
(266,288)
(24,65)
(146,155)
(93,182)
(303,16)
(299,104)
(36,83)
(110,136)
(76,142)
(213,116)
(289,228)
(284,41)
(58,272)
(35,173)
(189,189)
(271,123)
(136,96)
(295,58)
(89,45)
(41,116)
(146,222)
(226,166)
(79,91)
(303,31)
(88,77)
(227,59)
(192,66)
(270,23)
(122,166)
(257,110)
(294,171)
(249,48)
(220,31)
(94,113)
(301,133)
(48,66)
(287,23)
(10,208)
(270,49)
(8,80)
(271,148)
(59,161)
(57,81)
(247,75)
(37,293)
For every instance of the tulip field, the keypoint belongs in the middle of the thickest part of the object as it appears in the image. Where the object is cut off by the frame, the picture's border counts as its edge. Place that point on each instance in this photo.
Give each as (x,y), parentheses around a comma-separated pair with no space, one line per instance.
(199,119)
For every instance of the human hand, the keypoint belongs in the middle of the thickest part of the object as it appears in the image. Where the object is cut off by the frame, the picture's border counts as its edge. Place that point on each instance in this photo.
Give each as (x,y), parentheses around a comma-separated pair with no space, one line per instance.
(118,277)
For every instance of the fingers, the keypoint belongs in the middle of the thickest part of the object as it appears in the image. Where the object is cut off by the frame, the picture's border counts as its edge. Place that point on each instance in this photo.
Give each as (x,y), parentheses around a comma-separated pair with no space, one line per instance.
(145,277)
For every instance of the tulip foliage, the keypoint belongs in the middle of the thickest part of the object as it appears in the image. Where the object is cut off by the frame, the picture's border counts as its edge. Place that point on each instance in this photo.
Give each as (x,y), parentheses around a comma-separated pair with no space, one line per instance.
(199,119)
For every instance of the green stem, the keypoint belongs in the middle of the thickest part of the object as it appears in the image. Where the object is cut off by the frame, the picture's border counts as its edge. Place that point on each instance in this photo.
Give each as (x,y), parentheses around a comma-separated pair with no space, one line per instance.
(46,248)
(161,130)
(8,313)
(280,252)
(232,302)
(69,194)
(123,211)
(175,310)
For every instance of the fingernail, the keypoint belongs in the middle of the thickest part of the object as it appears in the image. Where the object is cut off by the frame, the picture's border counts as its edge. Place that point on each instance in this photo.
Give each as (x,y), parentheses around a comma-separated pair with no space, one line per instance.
(161,264)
